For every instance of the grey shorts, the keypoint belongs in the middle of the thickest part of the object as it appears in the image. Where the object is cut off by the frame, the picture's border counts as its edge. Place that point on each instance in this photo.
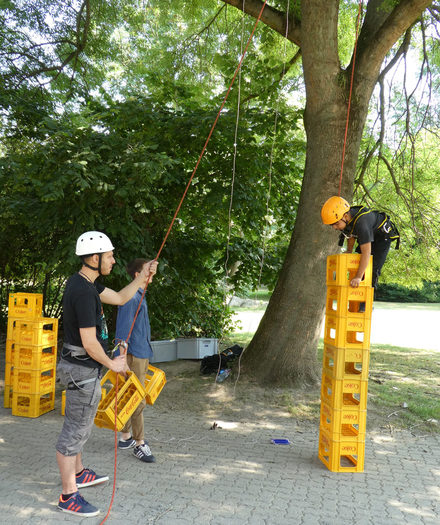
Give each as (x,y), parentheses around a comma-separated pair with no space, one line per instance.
(81,406)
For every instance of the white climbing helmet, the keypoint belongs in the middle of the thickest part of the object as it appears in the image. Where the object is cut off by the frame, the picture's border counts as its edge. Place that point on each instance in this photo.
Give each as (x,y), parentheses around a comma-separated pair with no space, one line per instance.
(93,242)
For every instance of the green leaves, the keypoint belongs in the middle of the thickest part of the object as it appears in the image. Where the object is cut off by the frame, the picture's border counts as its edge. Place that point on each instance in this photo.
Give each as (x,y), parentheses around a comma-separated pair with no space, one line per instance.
(119,161)
(123,170)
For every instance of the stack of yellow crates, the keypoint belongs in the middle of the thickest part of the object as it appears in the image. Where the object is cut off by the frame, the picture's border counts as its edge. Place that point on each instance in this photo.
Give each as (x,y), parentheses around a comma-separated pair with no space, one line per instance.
(31,351)
(346,357)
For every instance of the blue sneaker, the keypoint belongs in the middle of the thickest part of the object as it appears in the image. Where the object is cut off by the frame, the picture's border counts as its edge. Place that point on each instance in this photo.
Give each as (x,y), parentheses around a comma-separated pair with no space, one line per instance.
(88,477)
(125,444)
(77,505)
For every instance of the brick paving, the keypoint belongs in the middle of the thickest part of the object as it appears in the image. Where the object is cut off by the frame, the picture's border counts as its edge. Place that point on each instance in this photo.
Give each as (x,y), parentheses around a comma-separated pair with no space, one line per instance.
(228,476)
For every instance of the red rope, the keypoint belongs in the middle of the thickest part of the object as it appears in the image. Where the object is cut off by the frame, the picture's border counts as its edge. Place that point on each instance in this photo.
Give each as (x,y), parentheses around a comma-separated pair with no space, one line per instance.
(172,224)
(349,95)
(198,160)
(116,452)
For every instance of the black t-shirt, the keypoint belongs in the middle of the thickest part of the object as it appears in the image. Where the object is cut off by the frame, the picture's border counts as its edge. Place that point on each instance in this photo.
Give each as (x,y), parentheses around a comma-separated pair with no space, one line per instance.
(363,225)
(82,308)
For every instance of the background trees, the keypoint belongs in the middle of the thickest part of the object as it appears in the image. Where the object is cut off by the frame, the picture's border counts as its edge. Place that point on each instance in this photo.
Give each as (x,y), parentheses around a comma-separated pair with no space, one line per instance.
(122,168)
(105,108)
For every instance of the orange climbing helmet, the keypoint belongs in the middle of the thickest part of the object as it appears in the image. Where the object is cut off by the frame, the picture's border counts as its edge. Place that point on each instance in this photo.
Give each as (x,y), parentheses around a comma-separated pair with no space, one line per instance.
(334,209)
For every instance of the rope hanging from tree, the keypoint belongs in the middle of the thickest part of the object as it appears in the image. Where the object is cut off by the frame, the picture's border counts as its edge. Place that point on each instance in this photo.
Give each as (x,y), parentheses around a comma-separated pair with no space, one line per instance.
(266,229)
(234,165)
(234,157)
(172,224)
(350,93)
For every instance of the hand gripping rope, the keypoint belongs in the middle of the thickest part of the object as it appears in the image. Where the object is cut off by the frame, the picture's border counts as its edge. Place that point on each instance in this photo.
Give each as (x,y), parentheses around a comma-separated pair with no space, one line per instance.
(124,344)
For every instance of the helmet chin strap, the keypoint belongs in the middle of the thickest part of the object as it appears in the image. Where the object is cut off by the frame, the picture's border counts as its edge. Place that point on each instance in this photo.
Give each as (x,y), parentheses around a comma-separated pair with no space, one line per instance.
(343,220)
(92,267)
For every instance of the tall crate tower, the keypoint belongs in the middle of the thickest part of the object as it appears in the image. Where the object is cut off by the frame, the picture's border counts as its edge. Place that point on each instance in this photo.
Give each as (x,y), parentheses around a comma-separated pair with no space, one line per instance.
(20,306)
(346,355)
(31,349)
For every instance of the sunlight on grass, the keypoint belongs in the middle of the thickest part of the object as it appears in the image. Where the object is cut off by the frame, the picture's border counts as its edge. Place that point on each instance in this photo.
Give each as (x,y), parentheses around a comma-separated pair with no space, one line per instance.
(403,384)
(239,338)
(406,380)
(301,404)
(406,306)
(260,295)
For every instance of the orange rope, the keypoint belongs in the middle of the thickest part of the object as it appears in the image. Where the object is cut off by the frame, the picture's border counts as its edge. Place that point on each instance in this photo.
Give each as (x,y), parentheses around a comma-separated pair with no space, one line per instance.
(199,159)
(172,223)
(116,452)
(349,95)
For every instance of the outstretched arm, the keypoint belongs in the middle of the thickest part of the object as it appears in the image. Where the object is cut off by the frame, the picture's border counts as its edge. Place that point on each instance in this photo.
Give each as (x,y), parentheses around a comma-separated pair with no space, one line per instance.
(109,296)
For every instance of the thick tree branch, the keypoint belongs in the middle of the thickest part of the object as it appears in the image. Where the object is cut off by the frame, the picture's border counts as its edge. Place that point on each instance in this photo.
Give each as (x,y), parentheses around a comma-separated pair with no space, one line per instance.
(377,39)
(82,30)
(272,17)
(403,49)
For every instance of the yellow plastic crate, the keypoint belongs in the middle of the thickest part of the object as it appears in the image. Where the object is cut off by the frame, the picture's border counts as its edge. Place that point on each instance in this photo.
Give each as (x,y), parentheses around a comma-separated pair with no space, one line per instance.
(345,363)
(27,305)
(7,396)
(341,456)
(130,394)
(9,373)
(33,357)
(343,424)
(340,393)
(41,331)
(347,332)
(63,399)
(32,405)
(33,381)
(10,349)
(345,301)
(342,268)
(154,382)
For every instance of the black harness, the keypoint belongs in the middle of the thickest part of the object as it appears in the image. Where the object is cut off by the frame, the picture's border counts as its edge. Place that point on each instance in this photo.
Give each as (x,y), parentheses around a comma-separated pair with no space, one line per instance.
(386,227)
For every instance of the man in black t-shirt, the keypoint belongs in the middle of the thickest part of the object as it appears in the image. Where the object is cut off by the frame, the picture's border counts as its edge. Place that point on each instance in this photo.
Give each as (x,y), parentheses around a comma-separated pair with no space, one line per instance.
(82,307)
(373,231)
(84,353)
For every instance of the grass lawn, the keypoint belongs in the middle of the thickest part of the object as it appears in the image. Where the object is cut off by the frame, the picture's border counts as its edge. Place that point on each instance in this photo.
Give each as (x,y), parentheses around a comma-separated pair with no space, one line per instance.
(406,382)
(430,307)
(403,386)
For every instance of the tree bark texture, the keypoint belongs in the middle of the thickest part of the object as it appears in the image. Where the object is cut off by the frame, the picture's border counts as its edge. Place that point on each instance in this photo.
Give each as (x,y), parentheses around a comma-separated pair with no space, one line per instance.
(283,350)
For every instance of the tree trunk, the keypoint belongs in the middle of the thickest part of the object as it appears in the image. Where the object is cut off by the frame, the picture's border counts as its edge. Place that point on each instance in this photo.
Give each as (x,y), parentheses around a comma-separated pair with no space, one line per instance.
(283,350)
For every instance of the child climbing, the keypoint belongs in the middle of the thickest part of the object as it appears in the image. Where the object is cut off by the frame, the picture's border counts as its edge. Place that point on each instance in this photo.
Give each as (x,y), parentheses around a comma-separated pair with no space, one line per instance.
(373,230)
